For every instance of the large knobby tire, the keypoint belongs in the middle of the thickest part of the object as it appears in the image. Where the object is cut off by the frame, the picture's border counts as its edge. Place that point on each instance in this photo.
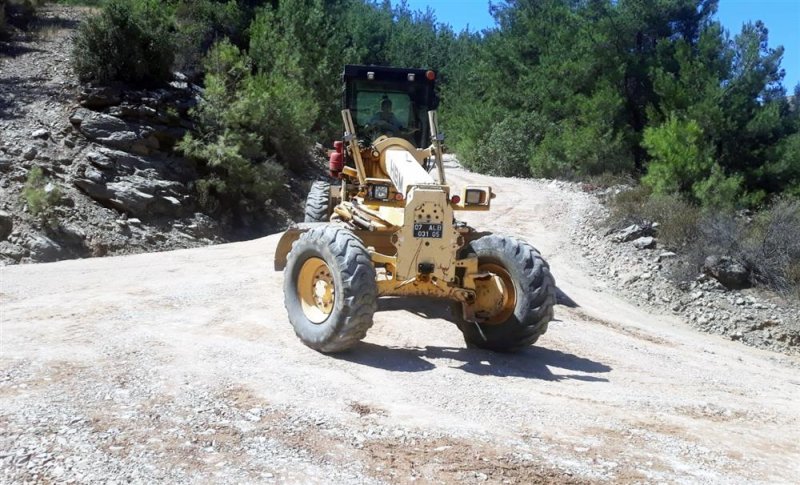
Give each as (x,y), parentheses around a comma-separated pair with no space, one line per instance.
(534,292)
(329,288)
(318,202)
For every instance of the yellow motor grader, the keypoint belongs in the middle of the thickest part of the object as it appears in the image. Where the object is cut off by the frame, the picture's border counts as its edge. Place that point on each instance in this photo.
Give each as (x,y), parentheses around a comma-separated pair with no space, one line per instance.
(387,227)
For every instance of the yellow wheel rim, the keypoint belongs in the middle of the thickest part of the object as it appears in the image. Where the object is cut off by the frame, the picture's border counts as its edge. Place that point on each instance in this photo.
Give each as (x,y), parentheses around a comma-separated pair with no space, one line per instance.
(496,296)
(316,290)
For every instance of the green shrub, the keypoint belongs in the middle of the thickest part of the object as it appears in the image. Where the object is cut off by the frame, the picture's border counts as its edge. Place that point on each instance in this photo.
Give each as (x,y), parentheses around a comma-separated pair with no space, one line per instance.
(130,41)
(233,181)
(571,150)
(201,23)
(608,179)
(248,125)
(683,162)
(680,157)
(505,151)
(267,115)
(40,194)
(88,3)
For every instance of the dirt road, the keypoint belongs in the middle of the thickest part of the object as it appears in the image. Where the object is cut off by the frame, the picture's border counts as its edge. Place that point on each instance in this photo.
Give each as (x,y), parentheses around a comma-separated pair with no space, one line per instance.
(182,366)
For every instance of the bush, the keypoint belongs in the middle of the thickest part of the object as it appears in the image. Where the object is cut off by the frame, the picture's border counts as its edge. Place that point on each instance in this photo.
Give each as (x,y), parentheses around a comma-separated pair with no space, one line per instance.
(233,181)
(40,194)
(267,115)
(18,12)
(682,162)
(626,206)
(678,219)
(130,41)
(88,3)
(771,246)
(767,243)
(247,126)
(505,151)
(201,23)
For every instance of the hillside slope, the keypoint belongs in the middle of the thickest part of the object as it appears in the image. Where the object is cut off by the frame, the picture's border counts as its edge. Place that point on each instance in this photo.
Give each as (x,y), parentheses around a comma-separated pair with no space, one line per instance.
(109,152)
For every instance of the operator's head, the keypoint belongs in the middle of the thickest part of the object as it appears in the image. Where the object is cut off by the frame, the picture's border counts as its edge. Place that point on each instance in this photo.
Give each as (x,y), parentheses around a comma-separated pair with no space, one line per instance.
(386,105)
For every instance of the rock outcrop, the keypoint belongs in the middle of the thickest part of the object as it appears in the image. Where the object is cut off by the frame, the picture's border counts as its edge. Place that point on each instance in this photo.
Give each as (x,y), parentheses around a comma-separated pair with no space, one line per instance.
(730,273)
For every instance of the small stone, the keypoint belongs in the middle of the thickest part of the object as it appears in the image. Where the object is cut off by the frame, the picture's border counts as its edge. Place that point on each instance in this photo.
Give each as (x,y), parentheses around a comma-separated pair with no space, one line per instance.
(30,153)
(630,279)
(665,255)
(41,134)
(630,233)
(647,242)
(6,225)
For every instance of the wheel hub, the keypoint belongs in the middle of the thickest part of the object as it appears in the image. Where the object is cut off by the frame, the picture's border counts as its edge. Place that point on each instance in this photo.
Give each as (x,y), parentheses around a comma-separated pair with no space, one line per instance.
(495,296)
(316,290)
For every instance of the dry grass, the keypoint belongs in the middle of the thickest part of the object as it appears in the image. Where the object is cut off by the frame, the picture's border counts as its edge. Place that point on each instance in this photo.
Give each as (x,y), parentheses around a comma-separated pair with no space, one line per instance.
(772,246)
(767,242)
(677,219)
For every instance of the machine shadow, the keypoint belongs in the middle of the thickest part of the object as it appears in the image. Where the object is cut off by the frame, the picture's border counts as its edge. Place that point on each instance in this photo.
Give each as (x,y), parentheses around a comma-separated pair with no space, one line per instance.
(432,308)
(532,363)
(564,299)
(427,308)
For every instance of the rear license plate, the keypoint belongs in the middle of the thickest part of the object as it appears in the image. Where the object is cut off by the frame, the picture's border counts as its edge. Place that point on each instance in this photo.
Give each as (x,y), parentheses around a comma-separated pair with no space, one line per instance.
(428,230)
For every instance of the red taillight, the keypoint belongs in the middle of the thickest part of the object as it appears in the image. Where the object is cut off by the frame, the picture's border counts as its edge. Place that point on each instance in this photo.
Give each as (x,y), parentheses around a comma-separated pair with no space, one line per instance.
(398,196)
(338,146)
(430,75)
(455,199)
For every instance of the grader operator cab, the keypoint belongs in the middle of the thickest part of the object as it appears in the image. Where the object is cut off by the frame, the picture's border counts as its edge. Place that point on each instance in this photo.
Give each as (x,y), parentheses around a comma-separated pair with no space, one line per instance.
(387,227)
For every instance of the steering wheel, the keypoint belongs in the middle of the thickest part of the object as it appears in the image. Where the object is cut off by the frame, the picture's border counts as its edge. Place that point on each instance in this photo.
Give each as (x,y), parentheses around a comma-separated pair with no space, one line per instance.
(381,127)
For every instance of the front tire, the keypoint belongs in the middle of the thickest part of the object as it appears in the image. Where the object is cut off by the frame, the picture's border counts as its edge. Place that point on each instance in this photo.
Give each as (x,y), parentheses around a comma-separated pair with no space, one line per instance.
(532,295)
(329,288)
(318,203)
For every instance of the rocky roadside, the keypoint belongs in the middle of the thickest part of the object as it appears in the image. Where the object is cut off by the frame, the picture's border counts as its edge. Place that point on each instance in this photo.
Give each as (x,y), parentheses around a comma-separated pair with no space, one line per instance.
(105,153)
(634,264)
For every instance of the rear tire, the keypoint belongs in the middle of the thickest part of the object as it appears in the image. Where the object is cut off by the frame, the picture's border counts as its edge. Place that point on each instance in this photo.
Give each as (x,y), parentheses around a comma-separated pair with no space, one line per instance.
(318,202)
(535,294)
(329,288)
